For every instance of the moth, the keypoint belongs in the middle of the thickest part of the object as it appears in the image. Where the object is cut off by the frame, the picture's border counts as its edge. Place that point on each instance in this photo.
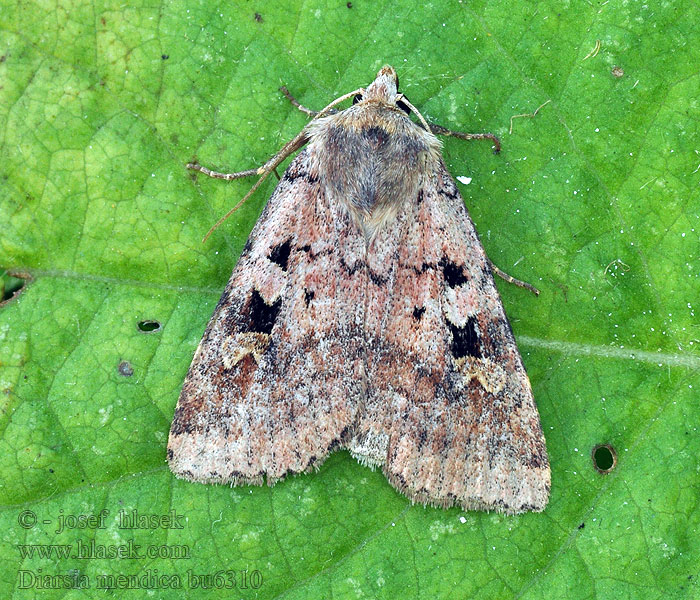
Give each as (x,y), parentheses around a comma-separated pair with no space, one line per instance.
(363,315)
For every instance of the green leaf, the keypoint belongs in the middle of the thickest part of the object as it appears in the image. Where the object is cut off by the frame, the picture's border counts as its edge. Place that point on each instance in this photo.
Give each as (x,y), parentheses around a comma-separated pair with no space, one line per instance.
(595,200)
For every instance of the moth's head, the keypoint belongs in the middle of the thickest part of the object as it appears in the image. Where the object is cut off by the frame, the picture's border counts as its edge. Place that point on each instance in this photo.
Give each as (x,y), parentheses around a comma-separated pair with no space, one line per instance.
(384,88)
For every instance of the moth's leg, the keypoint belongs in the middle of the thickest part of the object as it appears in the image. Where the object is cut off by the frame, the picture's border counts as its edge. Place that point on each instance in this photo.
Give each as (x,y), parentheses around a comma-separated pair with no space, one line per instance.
(509,279)
(439,130)
(295,102)
(301,107)
(216,175)
(226,176)
(270,166)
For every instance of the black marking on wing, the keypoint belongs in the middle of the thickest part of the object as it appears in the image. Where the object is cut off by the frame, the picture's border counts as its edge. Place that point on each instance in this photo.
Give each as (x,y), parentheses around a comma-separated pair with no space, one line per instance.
(323,252)
(261,315)
(454,274)
(280,254)
(247,248)
(297,171)
(308,296)
(535,459)
(418,313)
(351,270)
(376,278)
(448,187)
(465,340)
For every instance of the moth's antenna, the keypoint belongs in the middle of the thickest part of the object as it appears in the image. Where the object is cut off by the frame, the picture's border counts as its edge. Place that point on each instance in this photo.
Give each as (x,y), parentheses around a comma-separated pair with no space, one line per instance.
(235,208)
(414,109)
(439,130)
(344,97)
(291,146)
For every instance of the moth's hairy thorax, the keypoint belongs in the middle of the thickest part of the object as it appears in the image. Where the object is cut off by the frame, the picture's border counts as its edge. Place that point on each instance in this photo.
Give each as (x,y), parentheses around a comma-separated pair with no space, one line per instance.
(371,158)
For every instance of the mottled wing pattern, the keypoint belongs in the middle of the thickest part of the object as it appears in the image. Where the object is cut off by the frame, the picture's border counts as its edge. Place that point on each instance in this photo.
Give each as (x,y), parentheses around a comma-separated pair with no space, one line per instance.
(275,382)
(449,412)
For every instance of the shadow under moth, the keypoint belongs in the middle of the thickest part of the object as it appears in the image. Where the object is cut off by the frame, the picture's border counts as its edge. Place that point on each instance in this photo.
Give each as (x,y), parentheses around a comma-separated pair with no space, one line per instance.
(363,314)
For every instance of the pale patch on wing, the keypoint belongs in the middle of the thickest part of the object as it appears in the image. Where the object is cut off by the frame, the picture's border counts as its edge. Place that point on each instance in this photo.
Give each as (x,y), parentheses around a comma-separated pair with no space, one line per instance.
(236,348)
(487,372)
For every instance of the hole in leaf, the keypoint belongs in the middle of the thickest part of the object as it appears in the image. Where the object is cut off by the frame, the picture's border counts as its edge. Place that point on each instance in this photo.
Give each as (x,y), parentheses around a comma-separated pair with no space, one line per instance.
(148,326)
(604,458)
(11,285)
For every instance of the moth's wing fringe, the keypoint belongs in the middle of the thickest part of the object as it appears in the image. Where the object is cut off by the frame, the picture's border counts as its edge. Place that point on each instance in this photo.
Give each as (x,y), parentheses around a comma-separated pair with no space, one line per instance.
(240,480)
(448,501)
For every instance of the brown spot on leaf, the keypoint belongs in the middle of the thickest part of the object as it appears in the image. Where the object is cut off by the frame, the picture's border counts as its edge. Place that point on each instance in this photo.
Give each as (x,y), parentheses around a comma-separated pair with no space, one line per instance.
(125,368)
